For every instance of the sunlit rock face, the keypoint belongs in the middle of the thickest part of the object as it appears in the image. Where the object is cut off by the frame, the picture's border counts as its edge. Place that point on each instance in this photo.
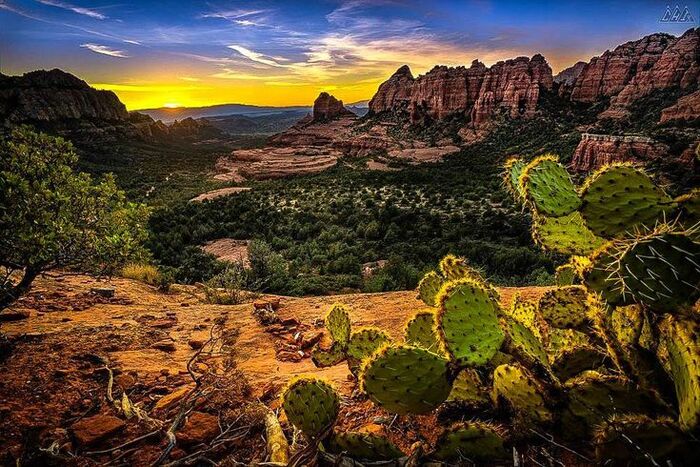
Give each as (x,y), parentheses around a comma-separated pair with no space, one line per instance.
(477,92)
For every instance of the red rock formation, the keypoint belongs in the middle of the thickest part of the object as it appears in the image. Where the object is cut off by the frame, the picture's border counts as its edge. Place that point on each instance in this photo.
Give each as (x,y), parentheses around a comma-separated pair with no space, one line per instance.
(568,76)
(476,91)
(327,107)
(594,151)
(686,108)
(637,68)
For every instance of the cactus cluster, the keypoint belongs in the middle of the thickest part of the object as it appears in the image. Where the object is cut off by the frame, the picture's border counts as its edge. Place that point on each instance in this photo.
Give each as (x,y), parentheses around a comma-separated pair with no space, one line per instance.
(610,356)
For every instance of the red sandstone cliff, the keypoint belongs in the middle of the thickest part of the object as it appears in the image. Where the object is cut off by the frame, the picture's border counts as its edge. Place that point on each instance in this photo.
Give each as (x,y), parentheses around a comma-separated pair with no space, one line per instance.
(476,91)
(594,151)
(635,69)
(327,107)
(687,108)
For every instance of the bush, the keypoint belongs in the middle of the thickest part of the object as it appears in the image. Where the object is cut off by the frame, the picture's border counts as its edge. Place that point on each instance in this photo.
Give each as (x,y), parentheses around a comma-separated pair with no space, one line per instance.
(146,273)
(227,287)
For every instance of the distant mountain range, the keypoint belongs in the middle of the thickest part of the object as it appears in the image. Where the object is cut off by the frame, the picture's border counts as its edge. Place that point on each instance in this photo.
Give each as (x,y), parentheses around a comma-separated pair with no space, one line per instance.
(167,114)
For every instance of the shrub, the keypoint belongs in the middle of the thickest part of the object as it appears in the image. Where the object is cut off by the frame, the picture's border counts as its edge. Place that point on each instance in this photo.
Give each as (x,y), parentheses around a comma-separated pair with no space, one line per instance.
(227,287)
(146,273)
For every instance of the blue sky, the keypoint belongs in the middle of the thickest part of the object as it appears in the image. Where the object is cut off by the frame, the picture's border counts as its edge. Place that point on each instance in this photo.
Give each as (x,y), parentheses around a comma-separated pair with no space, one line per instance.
(266,52)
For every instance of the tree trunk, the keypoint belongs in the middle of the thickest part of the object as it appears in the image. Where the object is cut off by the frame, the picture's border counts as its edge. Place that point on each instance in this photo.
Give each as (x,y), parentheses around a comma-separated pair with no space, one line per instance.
(13,293)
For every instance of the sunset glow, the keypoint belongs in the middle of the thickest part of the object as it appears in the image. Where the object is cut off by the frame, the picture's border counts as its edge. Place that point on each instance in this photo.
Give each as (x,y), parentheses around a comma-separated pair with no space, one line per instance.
(283,53)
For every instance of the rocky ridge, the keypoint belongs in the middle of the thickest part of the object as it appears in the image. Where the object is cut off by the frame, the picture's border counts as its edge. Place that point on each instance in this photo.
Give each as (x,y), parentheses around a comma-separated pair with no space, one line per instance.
(476,92)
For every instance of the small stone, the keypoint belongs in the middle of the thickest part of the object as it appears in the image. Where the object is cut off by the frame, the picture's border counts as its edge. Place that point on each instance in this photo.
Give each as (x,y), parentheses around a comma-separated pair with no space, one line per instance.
(184,304)
(14,315)
(94,429)
(196,343)
(171,399)
(163,323)
(166,345)
(106,292)
(199,428)
(311,340)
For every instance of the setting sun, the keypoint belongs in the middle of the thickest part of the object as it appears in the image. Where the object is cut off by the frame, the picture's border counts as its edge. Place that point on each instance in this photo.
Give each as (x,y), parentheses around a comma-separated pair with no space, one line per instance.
(171,105)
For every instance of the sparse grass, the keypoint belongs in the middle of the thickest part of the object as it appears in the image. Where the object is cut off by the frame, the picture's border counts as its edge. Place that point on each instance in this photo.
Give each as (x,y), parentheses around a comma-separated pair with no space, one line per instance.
(146,273)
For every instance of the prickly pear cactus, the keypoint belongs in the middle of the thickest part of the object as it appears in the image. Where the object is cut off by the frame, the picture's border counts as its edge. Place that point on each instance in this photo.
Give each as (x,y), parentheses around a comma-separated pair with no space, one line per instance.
(522,392)
(404,379)
(363,343)
(365,446)
(311,405)
(328,357)
(627,323)
(467,322)
(566,234)
(619,198)
(468,388)
(565,275)
(476,441)
(338,324)
(514,168)
(571,361)
(639,439)
(560,340)
(548,187)
(565,307)
(660,270)
(429,287)
(420,331)
(596,273)
(681,339)
(523,344)
(689,205)
(526,313)
(453,267)
(593,397)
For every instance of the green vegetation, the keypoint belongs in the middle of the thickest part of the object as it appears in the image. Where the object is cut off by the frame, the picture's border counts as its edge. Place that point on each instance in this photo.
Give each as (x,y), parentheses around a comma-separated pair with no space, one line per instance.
(326,226)
(618,383)
(53,217)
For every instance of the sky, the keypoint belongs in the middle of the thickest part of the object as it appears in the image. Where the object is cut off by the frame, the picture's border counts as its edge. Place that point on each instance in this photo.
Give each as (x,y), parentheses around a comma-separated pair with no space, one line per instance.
(178,53)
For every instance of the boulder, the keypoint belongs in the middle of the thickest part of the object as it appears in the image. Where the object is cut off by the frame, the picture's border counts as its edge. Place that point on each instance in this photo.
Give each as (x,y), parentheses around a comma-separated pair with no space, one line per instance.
(14,315)
(92,430)
(199,428)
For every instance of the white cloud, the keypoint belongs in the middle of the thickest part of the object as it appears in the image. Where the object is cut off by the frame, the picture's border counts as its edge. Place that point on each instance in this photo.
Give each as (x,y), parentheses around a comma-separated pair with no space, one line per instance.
(75,9)
(257,57)
(104,50)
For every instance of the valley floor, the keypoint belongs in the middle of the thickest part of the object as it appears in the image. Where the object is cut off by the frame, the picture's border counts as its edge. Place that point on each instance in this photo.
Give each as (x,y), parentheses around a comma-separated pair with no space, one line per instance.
(55,376)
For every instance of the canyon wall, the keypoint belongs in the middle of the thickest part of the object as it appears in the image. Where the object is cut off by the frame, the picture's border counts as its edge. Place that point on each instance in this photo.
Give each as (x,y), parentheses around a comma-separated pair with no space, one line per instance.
(594,151)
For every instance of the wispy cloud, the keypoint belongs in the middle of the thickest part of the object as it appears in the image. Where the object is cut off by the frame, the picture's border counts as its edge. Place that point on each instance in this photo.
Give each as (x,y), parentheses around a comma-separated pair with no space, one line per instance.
(104,50)
(258,57)
(240,17)
(75,9)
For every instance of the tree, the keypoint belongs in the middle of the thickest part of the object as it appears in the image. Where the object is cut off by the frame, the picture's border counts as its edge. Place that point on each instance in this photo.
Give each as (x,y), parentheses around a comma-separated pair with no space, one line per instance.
(54,217)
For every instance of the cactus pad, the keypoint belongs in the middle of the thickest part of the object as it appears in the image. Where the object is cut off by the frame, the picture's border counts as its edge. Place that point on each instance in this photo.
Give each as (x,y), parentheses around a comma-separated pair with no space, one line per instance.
(338,324)
(566,234)
(618,198)
(522,392)
(661,271)
(596,275)
(565,307)
(429,286)
(563,339)
(592,397)
(571,361)
(367,446)
(513,169)
(404,379)
(467,322)
(420,331)
(682,343)
(523,344)
(311,405)
(363,343)
(468,388)
(548,187)
(474,441)
(565,275)
(328,357)
(453,267)
(689,205)
(634,439)
(627,323)
(527,314)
